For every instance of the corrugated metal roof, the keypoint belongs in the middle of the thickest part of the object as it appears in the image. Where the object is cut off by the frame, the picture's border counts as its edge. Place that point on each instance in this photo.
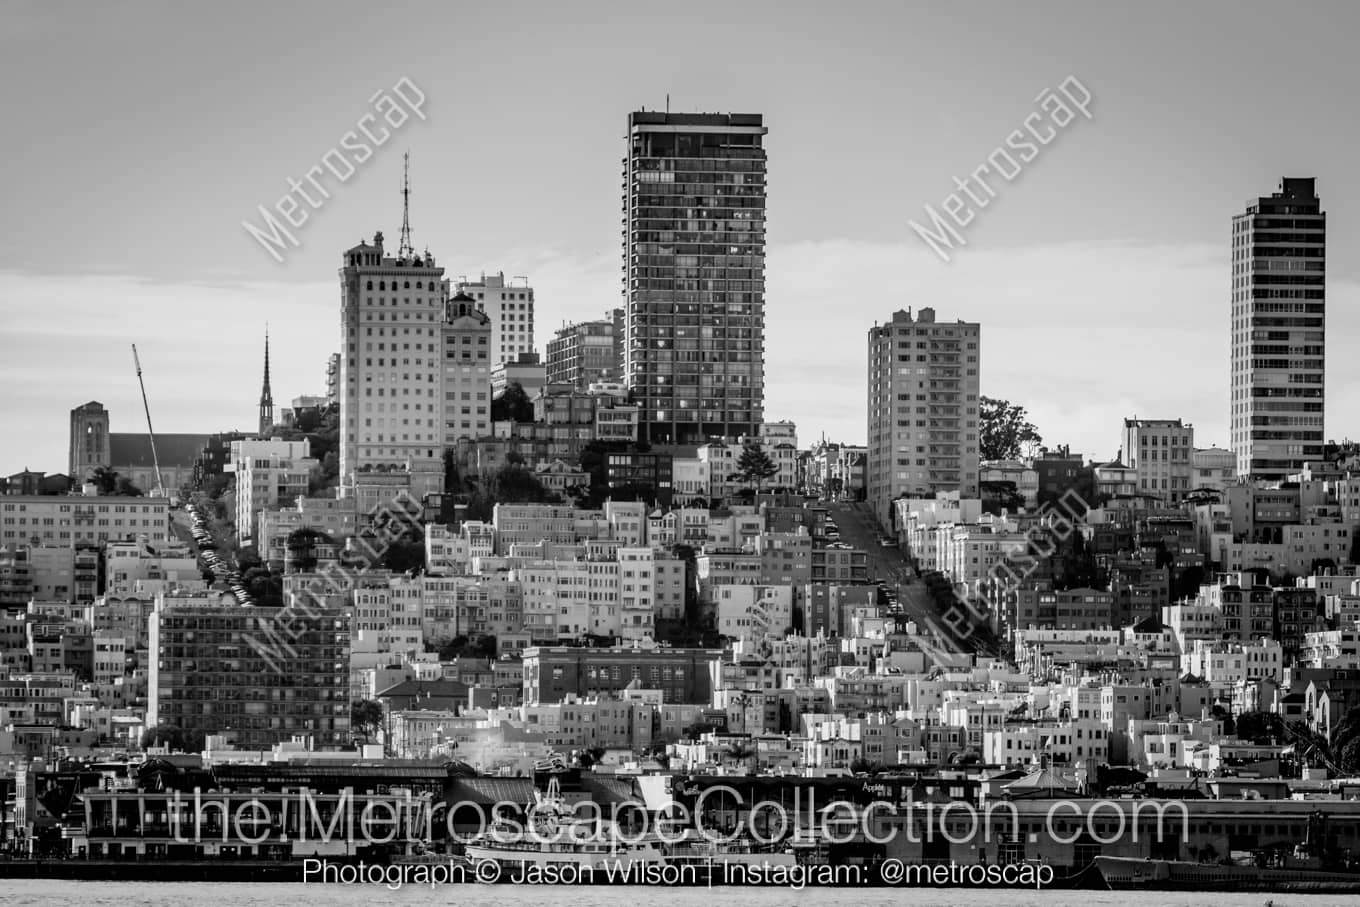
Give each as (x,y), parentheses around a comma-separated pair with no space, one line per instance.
(607,791)
(302,773)
(491,790)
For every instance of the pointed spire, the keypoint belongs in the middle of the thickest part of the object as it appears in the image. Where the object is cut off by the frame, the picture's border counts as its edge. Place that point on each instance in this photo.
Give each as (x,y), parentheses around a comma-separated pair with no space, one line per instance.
(406,251)
(266,395)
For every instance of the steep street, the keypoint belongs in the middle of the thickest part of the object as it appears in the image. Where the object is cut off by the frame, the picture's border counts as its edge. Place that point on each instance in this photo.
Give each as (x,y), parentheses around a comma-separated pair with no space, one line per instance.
(859,528)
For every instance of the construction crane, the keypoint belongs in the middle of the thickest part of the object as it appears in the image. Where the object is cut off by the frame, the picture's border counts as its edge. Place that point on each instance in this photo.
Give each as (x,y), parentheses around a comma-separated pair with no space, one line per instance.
(159,490)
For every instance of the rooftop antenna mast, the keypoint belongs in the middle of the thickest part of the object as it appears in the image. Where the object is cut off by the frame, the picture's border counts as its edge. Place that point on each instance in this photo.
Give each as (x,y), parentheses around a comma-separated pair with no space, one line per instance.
(406,251)
(159,490)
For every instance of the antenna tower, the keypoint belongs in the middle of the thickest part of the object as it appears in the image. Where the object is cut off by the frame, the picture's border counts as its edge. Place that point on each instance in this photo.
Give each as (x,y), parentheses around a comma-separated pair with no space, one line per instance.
(406,251)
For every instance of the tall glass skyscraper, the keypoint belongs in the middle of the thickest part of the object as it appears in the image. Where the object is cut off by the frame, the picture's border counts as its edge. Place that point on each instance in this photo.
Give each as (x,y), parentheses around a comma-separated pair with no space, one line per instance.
(1279,331)
(694,265)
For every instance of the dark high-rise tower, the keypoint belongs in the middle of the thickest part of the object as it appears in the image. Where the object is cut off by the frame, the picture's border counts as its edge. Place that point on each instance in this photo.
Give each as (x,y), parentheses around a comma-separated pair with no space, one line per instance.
(694,265)
(1279,283)
(266,396)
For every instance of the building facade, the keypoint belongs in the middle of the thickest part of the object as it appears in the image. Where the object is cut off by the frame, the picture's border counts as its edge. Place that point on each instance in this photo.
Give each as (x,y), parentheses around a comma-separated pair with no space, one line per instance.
(694,266)
(129,454)
(469,337)
(510,308)
(47,520)
(257,676)
(584,353)
(923,409)
(89,441)
(268,474)
(1212,468)
(1160,451)
(553,672)
(391,373)
(1279,284)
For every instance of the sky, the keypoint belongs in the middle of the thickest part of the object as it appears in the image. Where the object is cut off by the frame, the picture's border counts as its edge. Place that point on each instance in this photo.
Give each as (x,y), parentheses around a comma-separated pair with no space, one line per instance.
(143,135)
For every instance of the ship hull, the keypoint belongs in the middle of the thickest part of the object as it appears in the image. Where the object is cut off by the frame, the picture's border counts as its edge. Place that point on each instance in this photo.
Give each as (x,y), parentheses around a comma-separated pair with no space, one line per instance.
(1165,875)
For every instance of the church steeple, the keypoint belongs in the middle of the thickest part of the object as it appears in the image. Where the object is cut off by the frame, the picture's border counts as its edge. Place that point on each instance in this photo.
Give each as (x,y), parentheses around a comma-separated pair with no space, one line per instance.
(266,396)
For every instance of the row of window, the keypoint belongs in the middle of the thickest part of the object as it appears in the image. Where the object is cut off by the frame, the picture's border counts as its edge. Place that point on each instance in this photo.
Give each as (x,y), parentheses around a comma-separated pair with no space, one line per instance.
(90,508)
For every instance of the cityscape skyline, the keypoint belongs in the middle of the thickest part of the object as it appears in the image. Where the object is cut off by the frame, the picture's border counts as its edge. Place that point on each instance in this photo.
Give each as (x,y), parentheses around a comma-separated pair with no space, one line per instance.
(657,469)
(1076,375)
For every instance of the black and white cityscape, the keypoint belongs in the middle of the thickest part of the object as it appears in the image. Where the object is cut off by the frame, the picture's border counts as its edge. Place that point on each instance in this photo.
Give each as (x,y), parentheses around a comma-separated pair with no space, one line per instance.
(746,448)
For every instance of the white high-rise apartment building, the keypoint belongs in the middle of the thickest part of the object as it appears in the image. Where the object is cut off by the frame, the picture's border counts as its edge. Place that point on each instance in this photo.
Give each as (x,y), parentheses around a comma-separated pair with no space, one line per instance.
(510,306)
(923,409)
(391,393)
(1279,280)
(267,473)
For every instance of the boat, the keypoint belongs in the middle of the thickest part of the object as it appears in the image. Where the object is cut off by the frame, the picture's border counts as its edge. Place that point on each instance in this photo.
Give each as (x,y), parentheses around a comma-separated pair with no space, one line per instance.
(715,855)
(1128,873)
(551,841)
(552,846)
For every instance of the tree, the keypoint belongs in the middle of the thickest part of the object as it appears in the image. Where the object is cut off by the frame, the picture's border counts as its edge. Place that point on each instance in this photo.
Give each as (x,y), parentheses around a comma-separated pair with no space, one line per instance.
(1261,727)
(302,548)
(1345,742)
(740,752)
(326,474)
(754,465)
(403,556)
(1333,451)
(862,766)
(484,646)
(590,756)
(248,558)
(594,462)
(173,738)
(697,730)
(1003,429)
(216,486)
(365,717)
(125,488)
(999,496)
(513,405)
(1187,583)
(1322,565)
(966,756)
(105,480)
(508,485)
(1080,568)
(264,586)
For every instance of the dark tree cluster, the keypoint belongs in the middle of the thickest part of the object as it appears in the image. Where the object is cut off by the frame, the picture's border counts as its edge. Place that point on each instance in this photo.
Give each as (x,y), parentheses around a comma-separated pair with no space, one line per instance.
(176,739)
(107,481)
(1003,429)
(365,717)
(321,429)
(513,405)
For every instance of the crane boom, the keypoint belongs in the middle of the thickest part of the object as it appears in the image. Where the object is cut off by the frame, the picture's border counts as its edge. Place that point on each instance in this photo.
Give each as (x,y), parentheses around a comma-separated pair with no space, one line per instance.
(159,490)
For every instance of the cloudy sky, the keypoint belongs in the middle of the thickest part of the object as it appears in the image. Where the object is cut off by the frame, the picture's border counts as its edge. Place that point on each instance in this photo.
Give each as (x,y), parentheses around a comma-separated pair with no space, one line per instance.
(142,135)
